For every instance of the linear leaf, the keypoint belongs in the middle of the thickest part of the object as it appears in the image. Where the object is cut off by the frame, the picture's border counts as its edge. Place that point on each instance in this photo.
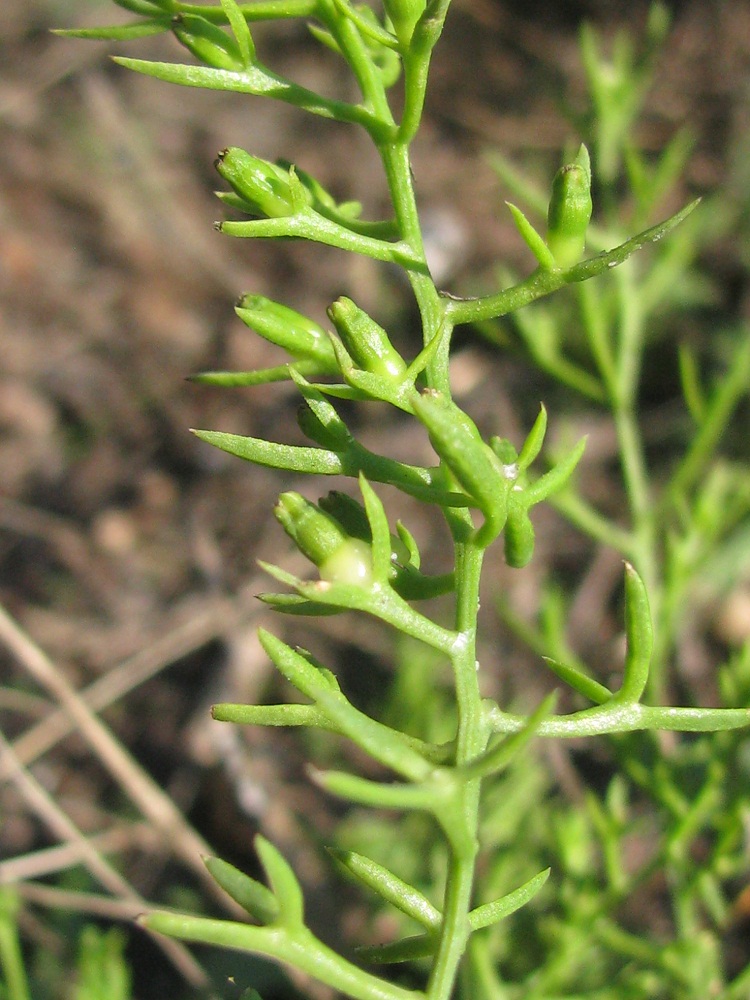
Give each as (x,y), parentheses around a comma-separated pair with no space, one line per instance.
(296,458)
(252,80)
(491,913)
(118,32)
(389,886)
(252,896)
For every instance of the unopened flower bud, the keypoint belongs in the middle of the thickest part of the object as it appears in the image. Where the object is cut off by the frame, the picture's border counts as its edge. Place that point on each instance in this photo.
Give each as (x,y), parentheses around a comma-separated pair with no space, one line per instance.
(265,187)
(365,340)
(280,325)
(570,210)
(339,557)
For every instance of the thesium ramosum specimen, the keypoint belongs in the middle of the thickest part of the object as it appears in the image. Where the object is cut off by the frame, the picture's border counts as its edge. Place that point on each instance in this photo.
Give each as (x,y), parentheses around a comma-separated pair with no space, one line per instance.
(479,912)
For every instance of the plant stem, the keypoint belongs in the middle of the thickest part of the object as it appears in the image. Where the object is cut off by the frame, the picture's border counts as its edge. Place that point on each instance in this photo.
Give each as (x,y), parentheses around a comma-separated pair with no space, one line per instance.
(397,166)
(462,824)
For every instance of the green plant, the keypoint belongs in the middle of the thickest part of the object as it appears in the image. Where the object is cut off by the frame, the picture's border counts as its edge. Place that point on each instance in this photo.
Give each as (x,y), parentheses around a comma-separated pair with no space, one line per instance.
(485,490)
(101,969)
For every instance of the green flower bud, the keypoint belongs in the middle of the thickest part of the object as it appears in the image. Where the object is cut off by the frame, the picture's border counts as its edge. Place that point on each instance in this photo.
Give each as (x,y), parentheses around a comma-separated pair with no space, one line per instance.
(207,42)
(339,557)
(315,534)
(280,325)
(265,187)
(365,340)
(477,470)
(570,210)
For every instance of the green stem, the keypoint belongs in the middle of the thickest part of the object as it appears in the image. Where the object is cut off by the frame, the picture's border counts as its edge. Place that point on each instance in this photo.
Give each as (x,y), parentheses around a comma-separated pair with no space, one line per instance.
(355,52)
(295,946)
(262,10)
(397,166)
(461,825)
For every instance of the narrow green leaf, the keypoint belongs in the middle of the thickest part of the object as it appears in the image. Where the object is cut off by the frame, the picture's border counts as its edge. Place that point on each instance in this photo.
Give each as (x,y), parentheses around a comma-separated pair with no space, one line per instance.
(293,665)
(410,543)
(639,632)
(286,889)
(261,376)
(146,8)
(119,32)
(275,456)
(282,575)
(579,681)
(388,746)
(554,480)
(492,913)
(424,484)
(389,887)
(532,239)
(381,534)
(253,80)
(378,794)
(294,604)
(258,900)
(270,715)
(295,945)
(604,261)
(694,720)
(407,950)
(534,441)
(240,30)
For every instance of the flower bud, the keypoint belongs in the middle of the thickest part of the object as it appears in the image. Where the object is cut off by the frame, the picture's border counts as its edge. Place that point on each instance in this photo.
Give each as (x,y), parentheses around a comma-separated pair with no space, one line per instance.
(264,187)
(570,210)
(339,557)
(207,42)
(365,340)
(280,325)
